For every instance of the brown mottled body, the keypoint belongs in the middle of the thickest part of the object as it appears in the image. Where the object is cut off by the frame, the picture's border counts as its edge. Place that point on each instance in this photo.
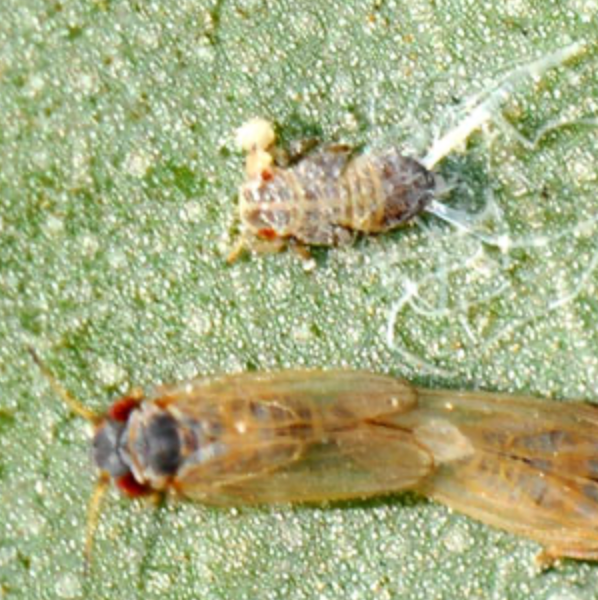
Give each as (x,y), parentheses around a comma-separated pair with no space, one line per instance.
(327,196)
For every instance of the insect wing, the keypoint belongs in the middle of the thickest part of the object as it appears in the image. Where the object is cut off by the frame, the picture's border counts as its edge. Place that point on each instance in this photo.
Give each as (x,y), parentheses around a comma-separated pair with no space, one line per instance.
(363,462)
(299,436)
(317,397)
(534,469)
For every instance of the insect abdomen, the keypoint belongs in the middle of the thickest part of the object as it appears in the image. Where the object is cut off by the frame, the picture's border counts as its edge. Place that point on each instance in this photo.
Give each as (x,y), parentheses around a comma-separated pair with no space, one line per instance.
(386,191)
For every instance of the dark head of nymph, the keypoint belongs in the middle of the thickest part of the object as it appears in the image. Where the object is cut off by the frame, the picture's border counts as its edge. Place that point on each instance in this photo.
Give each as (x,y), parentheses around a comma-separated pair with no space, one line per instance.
(139,449)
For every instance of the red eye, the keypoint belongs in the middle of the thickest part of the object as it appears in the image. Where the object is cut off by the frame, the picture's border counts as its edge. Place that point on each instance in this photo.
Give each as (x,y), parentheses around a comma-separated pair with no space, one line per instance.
(122,408)
(129,486)
(267,175)
(267,234)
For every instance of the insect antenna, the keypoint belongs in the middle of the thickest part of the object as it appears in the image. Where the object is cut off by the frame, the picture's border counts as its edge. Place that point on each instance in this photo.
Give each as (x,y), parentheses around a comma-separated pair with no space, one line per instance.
(101,486)
(75,405)
(93,516)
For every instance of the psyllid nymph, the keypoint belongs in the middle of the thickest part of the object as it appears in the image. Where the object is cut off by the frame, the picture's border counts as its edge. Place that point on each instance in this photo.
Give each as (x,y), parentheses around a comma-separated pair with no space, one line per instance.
(327,197)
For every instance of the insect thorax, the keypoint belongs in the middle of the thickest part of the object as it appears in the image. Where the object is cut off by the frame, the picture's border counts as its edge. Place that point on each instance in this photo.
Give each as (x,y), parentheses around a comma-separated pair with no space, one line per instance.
(155,445)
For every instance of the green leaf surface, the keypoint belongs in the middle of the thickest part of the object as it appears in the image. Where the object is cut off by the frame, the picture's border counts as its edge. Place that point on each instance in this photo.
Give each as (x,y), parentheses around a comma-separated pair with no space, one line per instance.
(118,178)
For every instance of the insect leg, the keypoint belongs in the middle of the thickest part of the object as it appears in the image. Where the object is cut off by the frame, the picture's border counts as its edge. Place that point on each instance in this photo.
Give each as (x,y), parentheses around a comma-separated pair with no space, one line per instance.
(547,558)
(297,151)
(301,250)
(343,236)
(258,246)
(238,249)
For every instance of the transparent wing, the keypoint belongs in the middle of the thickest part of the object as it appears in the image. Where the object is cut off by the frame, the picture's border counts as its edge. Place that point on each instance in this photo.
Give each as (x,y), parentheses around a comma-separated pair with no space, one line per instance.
(364,461)
(532,468)
(334,395)
(298,436)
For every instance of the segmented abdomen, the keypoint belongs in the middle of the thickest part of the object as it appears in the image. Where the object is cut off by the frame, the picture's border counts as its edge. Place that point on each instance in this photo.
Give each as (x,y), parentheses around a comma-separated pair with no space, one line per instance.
(326,196)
